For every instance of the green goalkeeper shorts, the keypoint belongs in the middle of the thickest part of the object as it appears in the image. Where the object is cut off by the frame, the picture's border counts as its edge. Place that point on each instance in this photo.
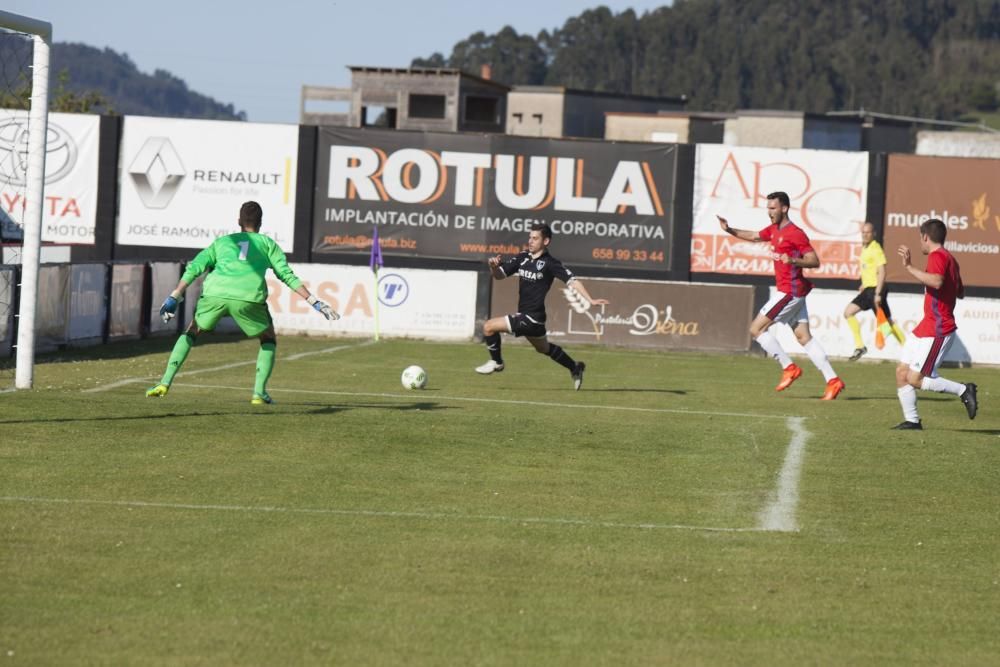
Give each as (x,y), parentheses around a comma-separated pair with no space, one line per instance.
(252,318)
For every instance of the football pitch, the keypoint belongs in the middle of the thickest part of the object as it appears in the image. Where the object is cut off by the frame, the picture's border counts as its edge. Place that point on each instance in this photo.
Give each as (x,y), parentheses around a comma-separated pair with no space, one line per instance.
(676,510)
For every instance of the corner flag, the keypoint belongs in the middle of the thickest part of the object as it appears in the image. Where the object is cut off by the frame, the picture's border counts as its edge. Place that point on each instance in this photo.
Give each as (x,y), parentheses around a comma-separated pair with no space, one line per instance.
(883,328)
(376,258)
(374,262)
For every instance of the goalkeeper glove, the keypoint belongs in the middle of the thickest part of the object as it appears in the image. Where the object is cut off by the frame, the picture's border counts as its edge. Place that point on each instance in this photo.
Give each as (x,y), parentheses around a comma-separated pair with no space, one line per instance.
(325,310)
(169,308)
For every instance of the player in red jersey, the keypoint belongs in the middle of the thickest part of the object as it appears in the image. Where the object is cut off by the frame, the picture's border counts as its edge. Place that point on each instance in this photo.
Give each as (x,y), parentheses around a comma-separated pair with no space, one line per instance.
(924,350)
(792,253)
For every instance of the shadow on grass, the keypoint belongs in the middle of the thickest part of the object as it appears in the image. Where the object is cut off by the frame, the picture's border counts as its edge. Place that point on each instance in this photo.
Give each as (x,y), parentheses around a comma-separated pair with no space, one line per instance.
(310,409)
(979,431)
(679,392)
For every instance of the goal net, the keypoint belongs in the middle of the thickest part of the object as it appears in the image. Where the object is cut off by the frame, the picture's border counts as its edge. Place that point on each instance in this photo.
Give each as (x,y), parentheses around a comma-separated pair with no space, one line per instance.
(24,83)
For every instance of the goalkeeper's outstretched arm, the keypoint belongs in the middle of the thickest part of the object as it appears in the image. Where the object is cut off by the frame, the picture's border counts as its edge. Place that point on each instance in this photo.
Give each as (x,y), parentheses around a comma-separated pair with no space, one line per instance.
(320,307)
(169,308)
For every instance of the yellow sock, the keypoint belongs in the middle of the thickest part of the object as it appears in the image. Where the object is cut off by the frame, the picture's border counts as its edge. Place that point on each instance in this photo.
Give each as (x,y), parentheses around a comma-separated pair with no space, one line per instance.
(898,333)
(856,330)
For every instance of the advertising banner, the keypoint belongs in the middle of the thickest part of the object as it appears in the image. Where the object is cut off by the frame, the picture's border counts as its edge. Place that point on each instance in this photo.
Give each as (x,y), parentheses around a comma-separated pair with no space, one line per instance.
(410,302)
(648,314)
(126,300)
(8,277)
(964,193)
(52,307)
(183,181)
(978,321)
(87,307)
(164,277)
(463,196)
(69,209)
(828,192)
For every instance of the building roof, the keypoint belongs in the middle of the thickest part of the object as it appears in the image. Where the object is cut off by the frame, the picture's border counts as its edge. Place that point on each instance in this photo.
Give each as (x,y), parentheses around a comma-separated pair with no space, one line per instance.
(426,71)
(562,90)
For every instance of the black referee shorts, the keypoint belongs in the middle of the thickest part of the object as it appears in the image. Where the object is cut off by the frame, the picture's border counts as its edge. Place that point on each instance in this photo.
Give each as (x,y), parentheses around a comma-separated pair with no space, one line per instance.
(865,300)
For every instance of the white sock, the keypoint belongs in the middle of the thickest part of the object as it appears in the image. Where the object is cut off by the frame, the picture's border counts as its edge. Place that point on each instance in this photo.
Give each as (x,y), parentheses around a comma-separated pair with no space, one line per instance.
(773,348)
(818,356)
(942,385)
(908,399)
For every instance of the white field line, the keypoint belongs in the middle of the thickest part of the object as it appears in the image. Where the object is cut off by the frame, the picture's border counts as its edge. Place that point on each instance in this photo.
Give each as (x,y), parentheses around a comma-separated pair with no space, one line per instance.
(779,515)
(292,357)
(428,516)
(432,397)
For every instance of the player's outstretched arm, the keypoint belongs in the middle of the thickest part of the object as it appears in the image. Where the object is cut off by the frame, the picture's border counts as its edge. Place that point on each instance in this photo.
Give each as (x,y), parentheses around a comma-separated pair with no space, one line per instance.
(320,307)
(743,234)
(932,280)
(169,308)
(494,264)
(579,287)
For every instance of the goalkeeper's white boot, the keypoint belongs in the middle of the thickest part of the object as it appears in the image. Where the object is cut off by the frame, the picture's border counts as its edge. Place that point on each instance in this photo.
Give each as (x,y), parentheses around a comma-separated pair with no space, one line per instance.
(489,367)
(261,399)
(159,391)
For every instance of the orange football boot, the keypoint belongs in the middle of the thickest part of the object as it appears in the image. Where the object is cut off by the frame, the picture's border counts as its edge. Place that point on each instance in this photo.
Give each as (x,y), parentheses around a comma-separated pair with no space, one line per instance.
(788,376)
(833,387)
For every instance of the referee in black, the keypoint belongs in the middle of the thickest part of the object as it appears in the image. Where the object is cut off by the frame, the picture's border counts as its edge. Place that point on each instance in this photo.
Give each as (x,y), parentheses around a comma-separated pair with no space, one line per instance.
(537,269)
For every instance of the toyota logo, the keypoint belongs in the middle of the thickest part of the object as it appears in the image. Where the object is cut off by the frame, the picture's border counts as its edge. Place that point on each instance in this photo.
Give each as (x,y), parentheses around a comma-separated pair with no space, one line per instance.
(60,152)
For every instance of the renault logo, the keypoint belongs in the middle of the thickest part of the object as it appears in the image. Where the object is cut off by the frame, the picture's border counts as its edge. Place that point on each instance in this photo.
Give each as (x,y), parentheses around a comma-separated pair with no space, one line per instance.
(157,172)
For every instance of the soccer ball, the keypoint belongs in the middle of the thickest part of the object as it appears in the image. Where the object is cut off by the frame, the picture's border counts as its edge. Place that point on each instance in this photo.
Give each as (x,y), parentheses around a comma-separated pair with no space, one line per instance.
(414,377)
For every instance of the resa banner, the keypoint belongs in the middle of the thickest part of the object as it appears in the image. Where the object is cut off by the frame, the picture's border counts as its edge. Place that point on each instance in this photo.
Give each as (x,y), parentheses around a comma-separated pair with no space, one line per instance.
(964,193)
(828,193)
(463,196)
(183,181)
(69,206)
(409,302)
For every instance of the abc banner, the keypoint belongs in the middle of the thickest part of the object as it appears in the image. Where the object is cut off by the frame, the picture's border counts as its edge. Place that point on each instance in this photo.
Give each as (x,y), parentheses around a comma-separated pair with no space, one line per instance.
(69,206)
(183,181)
(828,193)
(964,193)
(647,314)
(471,196)
(405,303)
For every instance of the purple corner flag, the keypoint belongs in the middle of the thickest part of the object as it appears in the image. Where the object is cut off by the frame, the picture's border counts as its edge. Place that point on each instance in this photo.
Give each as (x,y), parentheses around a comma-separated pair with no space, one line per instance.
(376,258)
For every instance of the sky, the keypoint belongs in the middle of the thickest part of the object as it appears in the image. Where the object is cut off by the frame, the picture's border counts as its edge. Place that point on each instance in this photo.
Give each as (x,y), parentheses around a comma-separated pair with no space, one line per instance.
(258,55)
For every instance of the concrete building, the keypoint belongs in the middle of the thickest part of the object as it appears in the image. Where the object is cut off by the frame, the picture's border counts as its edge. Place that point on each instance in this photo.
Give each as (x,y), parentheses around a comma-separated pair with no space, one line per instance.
(414,98)
(554,111)
(670,127)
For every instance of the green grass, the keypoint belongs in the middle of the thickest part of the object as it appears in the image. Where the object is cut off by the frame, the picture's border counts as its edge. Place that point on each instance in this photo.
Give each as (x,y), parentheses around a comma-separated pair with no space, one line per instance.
(355,522)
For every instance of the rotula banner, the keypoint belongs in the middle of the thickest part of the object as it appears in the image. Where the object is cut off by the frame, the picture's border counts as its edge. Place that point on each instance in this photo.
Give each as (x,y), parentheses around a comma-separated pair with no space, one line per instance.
(828,193)
(964,193)
(664,315)
(461,196)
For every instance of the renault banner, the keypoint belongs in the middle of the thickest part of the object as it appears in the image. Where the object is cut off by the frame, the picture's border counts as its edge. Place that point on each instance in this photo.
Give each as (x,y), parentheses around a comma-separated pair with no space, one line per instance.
(828,193)
(183,181)
(463,196)
(69,206)
(964,193)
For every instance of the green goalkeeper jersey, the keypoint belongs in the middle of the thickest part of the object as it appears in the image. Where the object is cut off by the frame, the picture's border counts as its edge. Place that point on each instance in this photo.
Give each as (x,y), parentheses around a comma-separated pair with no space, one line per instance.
(237,264)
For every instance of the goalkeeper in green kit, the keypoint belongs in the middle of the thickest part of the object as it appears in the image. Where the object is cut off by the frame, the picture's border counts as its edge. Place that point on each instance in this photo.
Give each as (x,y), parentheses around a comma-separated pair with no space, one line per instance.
(235,286)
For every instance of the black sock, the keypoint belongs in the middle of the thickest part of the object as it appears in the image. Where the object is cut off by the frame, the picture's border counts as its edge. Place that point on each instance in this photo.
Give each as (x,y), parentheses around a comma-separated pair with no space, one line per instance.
(557,355)
(493,345)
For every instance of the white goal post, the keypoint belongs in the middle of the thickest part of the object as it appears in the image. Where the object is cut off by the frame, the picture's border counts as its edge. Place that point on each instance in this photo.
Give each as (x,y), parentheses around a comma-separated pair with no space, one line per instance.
(41,33)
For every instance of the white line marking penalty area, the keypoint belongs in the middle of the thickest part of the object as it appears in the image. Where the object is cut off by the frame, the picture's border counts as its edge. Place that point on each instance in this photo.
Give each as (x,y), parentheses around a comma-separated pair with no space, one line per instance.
(387,514)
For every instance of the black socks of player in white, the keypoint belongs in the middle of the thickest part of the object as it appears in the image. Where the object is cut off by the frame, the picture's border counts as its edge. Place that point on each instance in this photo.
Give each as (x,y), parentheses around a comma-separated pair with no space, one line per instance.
(493,345)
(557,355)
